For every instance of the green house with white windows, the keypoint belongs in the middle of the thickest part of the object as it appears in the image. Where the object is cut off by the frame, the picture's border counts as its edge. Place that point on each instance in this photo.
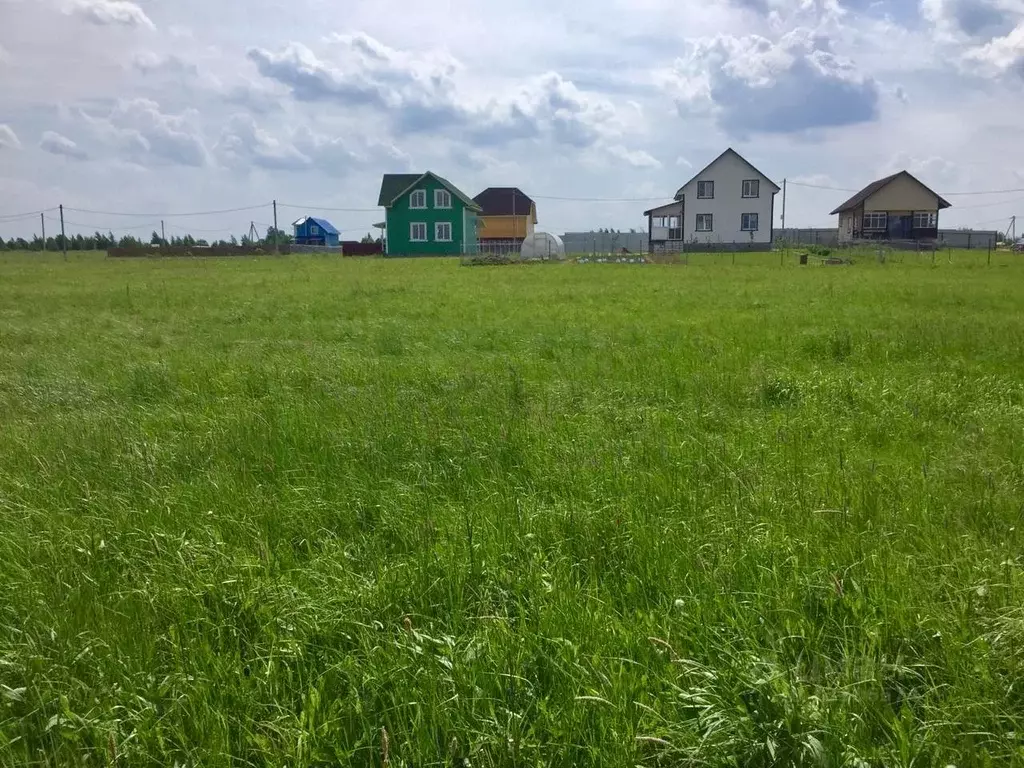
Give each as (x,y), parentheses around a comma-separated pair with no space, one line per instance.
(426,215)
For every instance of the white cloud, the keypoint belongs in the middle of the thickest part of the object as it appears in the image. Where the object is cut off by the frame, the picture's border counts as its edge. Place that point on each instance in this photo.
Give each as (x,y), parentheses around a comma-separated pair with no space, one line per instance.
(153,63)
(422,94)
(245,144)
(107,12)
(137,130)
(637,158)
(8,138)
(1001,54)
(56,144)
(752,84)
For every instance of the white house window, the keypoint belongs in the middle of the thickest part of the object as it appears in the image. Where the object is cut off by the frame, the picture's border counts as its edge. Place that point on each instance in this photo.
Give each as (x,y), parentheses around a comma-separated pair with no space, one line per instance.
(442,198)
(705,222)
(443,231)
(875,220)
(925,220)
(673,224)
(751,188)
(314,229)
(705,190)
(748,222)
(418,232)
(418,199)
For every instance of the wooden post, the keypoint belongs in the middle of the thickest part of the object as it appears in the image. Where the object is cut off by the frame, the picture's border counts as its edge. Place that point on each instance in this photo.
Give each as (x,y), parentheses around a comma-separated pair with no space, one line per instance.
(163,234)
(783,208)
(42,223)
(63,238)
(277,237)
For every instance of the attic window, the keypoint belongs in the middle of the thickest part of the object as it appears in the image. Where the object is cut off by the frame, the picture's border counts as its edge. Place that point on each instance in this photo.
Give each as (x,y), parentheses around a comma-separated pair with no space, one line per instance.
(418,199)
(442,198)
(751,187)
(314,229)
(705,190)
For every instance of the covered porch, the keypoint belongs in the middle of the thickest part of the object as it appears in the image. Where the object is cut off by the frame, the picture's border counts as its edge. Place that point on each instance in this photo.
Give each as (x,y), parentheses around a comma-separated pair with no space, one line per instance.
(665,227)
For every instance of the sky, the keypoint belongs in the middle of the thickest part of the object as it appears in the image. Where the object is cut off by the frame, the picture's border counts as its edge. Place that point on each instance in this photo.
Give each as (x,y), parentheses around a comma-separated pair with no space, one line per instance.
(597,110)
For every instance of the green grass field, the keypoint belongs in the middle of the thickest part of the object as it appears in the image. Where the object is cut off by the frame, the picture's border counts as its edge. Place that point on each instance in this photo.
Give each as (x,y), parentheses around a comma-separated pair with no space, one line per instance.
(262,512)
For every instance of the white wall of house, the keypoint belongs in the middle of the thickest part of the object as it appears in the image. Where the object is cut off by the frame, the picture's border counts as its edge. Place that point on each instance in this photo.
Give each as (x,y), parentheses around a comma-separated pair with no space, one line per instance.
(728,205)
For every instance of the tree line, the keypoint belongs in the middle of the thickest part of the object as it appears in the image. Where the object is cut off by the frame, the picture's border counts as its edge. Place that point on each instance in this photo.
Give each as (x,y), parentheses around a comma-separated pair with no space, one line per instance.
(101,242)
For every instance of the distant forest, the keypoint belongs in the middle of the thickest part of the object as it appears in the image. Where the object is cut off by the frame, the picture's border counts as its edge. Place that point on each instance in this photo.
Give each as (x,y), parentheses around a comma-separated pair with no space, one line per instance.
(100,242)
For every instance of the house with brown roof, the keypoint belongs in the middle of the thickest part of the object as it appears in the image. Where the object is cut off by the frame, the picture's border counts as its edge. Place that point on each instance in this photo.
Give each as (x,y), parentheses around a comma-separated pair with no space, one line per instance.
(506,214)
(898,207)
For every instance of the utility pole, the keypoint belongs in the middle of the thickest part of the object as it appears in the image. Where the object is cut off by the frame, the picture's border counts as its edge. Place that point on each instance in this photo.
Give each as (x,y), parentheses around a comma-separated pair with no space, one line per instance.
(42,223)
(63,238)
(163,234)
(783,207)
(277,237)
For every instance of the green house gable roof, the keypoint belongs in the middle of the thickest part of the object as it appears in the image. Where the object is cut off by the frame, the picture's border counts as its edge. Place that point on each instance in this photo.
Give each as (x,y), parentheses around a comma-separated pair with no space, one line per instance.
(394,185)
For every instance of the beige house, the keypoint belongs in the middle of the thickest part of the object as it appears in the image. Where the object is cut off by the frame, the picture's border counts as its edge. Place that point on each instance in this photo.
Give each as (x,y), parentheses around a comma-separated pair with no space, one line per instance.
(898,207)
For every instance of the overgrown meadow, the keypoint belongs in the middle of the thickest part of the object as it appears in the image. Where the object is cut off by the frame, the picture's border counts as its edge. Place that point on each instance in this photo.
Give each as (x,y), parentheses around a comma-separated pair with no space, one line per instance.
(318,512)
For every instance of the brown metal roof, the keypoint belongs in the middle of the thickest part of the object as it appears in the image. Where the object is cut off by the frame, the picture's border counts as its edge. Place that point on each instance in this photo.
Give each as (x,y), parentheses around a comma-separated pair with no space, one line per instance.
(504,201)
(873,187)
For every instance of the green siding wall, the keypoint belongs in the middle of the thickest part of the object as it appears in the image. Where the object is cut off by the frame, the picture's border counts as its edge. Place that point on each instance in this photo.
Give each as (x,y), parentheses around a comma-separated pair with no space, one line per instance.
(400,217)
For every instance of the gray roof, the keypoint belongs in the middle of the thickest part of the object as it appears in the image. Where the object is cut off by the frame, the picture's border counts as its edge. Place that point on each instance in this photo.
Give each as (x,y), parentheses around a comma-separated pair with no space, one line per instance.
(874,186)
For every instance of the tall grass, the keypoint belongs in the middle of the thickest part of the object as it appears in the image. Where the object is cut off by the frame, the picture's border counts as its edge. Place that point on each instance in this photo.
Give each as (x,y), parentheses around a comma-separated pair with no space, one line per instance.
(311,512)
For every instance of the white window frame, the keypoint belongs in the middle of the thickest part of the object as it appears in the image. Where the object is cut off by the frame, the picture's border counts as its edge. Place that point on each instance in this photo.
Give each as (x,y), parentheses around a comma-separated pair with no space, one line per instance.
(754,185)
(417,195)
(709,217)
(412,232)
(930,219)
(437,231)
(700,186)
(442,198)
(314,229)
(747,216)
(874,217)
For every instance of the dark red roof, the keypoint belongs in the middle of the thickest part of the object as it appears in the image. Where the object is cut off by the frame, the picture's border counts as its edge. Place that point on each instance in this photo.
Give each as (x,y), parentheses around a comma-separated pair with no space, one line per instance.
(504,201)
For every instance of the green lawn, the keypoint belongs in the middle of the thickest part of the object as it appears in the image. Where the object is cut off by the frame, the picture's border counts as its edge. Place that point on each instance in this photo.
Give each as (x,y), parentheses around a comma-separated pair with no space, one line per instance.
(254,512)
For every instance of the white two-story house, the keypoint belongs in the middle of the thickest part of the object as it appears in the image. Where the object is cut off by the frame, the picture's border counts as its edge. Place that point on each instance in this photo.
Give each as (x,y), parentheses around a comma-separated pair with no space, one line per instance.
(729,205)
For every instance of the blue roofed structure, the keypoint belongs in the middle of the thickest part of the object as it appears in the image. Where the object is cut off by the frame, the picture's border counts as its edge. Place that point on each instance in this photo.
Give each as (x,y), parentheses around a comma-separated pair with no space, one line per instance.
(310,230)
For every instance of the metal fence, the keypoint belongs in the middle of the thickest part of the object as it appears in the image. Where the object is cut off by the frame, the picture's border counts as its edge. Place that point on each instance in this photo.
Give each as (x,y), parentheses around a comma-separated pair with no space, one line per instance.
(605,242)
(948,238)
(976,238)
(807,236)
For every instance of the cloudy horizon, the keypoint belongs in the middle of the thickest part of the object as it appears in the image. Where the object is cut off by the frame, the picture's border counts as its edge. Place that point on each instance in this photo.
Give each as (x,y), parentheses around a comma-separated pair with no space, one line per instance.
(598,112)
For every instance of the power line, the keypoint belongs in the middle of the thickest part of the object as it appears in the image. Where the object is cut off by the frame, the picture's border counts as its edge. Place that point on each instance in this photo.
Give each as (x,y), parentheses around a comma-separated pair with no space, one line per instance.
(820,186)
(602,199)
(98,228)
(990,205)
(26,215)
(948,194)
(322,208)
(168,215)
(986,192)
